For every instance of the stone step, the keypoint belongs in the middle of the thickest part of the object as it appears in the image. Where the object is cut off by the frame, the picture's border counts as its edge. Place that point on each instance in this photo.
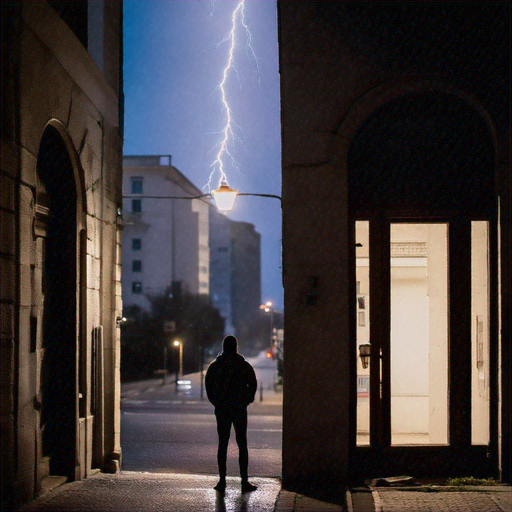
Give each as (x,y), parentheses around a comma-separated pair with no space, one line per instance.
(50,483)
(43,469)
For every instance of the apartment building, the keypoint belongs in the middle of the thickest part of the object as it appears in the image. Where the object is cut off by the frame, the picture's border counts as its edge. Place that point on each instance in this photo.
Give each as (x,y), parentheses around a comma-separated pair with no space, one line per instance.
(165,239)
(235,271)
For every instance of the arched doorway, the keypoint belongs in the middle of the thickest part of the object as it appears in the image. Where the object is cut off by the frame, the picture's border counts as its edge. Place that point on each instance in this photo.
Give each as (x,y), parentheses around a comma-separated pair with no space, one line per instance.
(56,211)
(424,281)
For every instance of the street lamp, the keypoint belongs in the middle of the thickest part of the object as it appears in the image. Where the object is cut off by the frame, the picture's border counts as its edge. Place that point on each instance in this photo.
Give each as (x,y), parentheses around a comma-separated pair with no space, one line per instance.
(267,307)
(179,371)
(224,197)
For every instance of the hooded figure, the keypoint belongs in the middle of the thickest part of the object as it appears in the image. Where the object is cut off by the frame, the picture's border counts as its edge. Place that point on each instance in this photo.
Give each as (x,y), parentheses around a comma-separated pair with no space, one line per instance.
(231,386)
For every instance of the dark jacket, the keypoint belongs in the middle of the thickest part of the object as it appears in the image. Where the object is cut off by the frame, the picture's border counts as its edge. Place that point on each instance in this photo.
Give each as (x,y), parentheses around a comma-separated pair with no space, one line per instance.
(230,381)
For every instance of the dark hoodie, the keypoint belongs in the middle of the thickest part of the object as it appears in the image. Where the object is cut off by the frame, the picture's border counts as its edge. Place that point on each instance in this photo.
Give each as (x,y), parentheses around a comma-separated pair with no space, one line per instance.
(230,381)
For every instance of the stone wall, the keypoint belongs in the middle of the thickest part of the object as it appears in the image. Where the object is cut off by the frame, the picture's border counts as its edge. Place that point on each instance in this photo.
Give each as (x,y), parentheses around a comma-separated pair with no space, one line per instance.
(51,85)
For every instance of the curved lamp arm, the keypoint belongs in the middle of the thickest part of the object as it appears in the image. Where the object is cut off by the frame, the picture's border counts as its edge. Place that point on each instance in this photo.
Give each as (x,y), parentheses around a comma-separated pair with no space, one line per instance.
(139,196)
(260,195)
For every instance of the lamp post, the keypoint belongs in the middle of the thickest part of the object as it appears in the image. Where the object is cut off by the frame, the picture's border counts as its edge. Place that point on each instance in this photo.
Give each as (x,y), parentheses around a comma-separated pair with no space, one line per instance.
(179,369)
(267,307)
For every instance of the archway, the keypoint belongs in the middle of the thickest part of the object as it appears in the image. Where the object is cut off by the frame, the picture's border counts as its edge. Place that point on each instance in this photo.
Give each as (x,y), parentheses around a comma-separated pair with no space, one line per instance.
(56,208)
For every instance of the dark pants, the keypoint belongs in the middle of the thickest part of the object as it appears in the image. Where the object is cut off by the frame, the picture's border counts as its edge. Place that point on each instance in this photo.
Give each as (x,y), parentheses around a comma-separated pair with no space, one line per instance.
(238,418)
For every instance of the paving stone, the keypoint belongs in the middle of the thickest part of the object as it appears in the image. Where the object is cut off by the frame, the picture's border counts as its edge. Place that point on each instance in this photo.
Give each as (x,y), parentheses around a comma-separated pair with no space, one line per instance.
(156,492)
(442,501)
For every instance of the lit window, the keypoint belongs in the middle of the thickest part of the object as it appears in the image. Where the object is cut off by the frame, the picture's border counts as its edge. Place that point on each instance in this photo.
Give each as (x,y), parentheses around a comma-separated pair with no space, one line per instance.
(137,185)
(136,266)
(136,287)
(136,244)
(136,205)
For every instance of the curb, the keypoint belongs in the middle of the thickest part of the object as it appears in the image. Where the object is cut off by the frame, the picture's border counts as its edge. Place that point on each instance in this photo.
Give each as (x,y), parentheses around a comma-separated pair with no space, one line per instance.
(285,501)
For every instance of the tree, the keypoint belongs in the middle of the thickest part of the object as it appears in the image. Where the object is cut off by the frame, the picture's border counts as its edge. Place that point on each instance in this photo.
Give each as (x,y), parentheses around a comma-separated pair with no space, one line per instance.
(144,344)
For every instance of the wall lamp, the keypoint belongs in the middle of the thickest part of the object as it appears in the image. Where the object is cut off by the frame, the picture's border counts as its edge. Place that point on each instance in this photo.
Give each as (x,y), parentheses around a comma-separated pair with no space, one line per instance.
(120,320)
(365,351)
(224,197)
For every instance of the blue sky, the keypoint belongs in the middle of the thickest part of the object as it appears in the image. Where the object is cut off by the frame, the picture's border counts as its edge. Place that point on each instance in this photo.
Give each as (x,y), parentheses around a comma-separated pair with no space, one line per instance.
(173,64)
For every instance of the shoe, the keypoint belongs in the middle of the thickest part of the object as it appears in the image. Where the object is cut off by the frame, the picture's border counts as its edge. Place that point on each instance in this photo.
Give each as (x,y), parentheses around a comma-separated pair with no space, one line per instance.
(221,486)
(248,487)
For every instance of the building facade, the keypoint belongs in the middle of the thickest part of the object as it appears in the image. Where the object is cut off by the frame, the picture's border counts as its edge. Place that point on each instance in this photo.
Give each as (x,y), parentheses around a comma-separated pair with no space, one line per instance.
(235,272)
(245,277)
(165,240)
(396,234)
(60,242)
(220,266)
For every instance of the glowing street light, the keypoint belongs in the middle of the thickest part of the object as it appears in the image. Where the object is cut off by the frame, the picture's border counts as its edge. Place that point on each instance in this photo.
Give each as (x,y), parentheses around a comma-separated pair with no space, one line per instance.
(267,307)
(179,344)
(224,197)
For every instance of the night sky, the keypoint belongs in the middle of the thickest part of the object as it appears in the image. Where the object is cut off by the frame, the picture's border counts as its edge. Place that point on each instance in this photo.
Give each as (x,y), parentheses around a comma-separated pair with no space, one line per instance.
(174,58)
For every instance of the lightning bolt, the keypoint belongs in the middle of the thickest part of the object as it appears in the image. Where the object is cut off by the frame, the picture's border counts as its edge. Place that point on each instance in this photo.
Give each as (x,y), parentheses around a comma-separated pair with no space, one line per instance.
(228,135)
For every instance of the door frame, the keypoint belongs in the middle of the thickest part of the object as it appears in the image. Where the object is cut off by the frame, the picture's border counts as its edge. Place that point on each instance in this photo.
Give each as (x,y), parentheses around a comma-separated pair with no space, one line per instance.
(459,456)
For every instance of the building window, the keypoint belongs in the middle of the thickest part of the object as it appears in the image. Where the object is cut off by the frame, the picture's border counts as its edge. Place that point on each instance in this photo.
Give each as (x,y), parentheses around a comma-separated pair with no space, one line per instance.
(136,287)
(137,185)
(136,266)
(136,244)
(136,205)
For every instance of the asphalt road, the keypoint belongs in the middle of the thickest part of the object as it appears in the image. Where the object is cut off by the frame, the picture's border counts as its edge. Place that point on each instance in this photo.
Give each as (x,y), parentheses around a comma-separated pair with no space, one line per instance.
(165,429)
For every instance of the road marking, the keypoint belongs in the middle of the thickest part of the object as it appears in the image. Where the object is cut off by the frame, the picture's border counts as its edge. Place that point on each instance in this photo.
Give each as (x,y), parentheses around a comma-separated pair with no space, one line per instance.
(161,402)
(265,429)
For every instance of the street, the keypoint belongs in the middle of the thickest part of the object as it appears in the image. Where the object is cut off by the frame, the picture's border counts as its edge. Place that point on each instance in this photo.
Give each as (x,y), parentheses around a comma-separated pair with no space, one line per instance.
(169,430)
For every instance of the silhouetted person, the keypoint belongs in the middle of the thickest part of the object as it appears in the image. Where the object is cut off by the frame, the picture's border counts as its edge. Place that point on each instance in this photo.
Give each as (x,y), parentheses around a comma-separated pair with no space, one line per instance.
(230,386)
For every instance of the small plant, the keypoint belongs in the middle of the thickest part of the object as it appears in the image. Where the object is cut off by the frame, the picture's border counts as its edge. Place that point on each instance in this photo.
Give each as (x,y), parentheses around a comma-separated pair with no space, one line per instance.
(471,480)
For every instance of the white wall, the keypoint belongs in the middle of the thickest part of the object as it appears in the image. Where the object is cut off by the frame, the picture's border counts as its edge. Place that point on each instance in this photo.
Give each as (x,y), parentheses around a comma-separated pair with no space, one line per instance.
(173,233)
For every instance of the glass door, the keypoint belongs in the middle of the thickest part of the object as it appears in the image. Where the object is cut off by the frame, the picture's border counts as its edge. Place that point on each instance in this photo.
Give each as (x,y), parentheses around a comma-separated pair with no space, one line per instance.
(422,323)
(416,347)
(419,333)
(362,271)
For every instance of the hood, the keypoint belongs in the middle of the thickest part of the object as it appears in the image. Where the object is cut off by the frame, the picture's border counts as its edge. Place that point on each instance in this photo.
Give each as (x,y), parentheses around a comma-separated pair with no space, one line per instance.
(227,357)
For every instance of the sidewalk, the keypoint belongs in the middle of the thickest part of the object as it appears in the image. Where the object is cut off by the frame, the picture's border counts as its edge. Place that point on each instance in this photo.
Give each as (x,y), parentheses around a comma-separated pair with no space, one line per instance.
(158,492)
(431,498)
